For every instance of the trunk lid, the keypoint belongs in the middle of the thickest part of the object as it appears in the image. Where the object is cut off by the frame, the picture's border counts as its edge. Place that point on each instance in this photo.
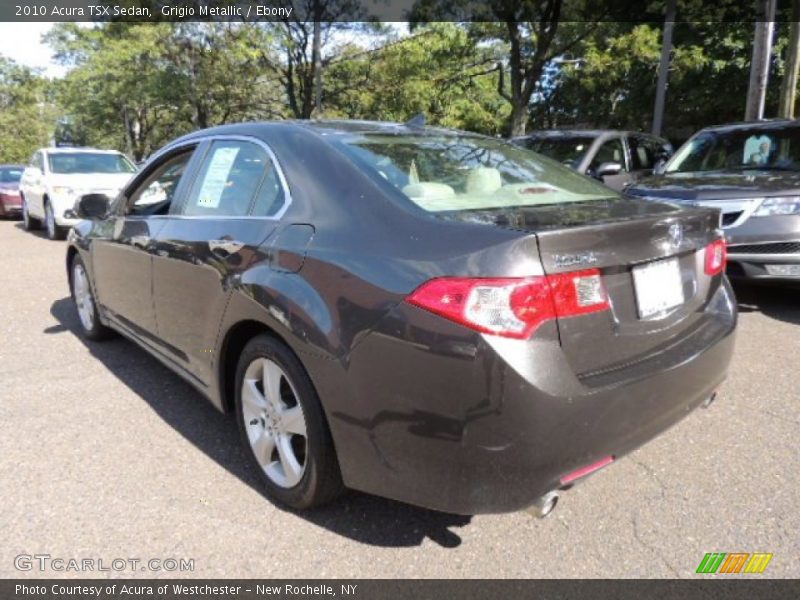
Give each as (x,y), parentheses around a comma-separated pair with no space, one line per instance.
(618,237)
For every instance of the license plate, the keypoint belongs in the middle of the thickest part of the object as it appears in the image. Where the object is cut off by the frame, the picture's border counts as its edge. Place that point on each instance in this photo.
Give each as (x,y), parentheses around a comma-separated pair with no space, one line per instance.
(658,286)
(783,270)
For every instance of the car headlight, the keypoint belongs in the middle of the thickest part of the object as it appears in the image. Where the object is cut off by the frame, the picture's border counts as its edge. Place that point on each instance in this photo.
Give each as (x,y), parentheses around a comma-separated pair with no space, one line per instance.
(779,206)
(63,190)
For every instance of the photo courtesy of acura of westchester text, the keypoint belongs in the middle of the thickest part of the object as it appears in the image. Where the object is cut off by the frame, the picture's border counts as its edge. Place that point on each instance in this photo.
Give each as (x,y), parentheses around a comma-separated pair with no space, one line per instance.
(324,292)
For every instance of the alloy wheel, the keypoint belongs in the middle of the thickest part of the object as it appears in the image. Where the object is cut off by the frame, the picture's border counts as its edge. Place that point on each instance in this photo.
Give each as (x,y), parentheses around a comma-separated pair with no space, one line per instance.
(51,221)
(83,296)
(274,422)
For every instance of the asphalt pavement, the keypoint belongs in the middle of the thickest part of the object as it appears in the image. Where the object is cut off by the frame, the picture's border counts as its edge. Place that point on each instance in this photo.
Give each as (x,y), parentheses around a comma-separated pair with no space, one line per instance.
(108,455)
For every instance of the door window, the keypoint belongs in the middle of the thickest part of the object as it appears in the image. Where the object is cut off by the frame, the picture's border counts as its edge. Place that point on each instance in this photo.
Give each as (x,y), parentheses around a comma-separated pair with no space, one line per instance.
(155,195)
(232,173)
(643,155)
(610,151)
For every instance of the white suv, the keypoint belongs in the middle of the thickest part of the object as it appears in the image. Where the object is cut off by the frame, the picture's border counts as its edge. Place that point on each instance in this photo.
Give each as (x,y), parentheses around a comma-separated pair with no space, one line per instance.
(57,177)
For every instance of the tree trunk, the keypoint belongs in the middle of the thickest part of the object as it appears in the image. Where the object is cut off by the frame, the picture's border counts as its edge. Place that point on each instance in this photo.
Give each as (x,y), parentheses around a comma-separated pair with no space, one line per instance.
(789,85)
(317,60)
(519,118)
(759,64)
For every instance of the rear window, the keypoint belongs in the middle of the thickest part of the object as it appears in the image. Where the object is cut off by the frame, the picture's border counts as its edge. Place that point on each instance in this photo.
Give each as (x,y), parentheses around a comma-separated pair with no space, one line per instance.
(10,175)
(89,162)
(567,150)
(455,173)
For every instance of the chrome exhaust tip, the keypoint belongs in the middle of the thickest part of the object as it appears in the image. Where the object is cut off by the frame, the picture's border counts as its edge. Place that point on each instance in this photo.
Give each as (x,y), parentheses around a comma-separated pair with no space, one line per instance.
(543,506)
(708,401)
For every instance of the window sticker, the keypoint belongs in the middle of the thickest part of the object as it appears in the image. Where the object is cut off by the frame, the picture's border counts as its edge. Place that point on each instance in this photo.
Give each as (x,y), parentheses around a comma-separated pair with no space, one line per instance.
(216,177)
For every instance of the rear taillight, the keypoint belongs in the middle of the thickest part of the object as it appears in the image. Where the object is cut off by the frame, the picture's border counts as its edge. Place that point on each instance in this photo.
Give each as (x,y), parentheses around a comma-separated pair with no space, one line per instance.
(511,307)
(716,257)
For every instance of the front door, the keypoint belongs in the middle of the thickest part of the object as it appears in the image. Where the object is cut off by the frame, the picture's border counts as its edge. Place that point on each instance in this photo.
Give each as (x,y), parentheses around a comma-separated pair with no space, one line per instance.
(122,260)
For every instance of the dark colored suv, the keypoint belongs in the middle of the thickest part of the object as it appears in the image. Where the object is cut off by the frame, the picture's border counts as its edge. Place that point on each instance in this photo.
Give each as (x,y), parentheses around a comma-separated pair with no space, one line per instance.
(433,316)
(617,158)
(750,172)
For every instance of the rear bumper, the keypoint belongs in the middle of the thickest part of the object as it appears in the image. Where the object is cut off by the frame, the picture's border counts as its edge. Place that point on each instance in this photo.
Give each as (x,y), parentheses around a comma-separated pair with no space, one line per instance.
(471,424)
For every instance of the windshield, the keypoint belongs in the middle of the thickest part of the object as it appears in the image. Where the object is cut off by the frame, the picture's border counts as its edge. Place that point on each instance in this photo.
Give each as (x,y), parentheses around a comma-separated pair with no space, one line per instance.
(89,162)
(566,150)
(12,175)
(459,173)
(758,148)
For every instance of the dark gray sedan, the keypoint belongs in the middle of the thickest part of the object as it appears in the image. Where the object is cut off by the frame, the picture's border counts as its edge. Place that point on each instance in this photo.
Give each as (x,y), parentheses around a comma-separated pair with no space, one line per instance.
(427,315)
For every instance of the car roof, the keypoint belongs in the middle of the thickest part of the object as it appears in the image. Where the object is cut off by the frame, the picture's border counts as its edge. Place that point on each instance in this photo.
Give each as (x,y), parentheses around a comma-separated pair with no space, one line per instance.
(764,124)
(566,133)
(74,149)
(12,166)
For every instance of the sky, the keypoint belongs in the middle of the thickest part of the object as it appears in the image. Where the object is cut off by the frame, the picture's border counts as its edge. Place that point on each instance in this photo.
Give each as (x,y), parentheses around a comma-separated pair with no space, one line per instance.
(22,43)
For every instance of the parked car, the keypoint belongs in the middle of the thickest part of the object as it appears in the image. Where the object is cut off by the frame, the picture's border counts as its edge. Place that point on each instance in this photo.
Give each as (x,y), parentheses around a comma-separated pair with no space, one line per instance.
(617,158)
(10,204)
(433,316)
(750,172)
(57,177)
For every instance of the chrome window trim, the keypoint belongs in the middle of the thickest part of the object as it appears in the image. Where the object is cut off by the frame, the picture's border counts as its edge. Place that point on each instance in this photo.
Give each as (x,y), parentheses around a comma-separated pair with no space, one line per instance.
(196,141)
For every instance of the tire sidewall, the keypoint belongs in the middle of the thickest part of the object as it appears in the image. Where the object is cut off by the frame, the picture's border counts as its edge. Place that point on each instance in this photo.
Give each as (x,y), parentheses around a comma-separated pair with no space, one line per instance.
(321,480)
(98,329)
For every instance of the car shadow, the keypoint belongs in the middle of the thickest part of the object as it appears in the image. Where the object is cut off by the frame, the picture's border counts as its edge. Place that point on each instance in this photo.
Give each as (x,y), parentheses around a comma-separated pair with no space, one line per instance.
(41,233)
(361,517)
(777,302)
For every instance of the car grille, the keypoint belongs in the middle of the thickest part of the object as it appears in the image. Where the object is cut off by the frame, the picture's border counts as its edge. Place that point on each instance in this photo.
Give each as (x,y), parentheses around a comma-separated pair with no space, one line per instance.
(775,248)
(730,218)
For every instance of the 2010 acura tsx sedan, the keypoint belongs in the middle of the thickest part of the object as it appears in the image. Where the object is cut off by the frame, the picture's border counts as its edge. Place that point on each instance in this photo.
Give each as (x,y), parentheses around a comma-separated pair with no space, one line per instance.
(427,315)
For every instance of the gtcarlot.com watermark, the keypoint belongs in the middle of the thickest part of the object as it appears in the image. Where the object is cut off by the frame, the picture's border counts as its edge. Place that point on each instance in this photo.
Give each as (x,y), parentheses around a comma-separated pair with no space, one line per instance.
(47,562)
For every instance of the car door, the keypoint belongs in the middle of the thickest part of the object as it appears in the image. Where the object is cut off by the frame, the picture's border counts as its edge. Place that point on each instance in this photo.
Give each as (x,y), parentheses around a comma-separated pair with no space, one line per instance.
(204,248)
(122,259)
(645,153)
(611,150)
(33,185)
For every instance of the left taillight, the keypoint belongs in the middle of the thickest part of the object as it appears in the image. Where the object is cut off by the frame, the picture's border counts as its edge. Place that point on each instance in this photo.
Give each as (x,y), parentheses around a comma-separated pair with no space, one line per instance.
(716,257)
(511,307)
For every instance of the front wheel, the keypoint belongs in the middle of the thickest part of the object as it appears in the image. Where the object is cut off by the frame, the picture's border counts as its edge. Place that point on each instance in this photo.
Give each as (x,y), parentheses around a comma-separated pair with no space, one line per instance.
(283,427)
(84,303)
(54,231)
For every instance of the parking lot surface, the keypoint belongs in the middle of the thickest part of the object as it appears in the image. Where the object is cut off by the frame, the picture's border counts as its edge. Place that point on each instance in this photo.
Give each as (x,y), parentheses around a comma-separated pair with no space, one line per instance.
(108,455)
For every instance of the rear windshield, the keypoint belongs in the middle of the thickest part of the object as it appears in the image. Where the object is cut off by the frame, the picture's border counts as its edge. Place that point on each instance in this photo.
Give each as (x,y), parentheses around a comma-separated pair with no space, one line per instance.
(455,173)
(742,149)
(567,150)
(89,162)
(10,175)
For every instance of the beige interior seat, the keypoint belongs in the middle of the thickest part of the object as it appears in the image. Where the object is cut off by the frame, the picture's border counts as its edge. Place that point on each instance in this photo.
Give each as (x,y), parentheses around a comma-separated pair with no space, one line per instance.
(483,180)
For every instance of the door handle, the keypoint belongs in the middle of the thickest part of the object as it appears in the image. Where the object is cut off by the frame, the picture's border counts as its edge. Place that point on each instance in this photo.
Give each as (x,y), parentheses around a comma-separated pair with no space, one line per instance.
(225,248)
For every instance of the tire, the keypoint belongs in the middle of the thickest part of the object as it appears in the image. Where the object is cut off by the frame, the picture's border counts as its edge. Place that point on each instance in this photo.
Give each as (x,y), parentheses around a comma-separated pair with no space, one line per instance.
(28,222)
(54,231)
(298,471)
(82,296)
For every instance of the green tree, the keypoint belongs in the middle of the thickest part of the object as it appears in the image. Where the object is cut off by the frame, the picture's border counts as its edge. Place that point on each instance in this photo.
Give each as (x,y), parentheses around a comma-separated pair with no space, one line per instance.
(27,117)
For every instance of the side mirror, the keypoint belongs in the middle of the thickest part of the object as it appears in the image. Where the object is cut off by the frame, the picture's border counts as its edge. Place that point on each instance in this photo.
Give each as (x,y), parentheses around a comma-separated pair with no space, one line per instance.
(92,206)
(660,167)
(608,168)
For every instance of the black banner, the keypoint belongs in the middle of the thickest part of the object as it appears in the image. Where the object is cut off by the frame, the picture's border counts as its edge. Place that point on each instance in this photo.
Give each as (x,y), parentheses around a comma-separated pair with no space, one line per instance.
(547,589)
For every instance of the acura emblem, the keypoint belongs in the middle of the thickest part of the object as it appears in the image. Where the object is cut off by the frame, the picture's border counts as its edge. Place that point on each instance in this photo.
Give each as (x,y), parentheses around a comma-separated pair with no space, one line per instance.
(675,234)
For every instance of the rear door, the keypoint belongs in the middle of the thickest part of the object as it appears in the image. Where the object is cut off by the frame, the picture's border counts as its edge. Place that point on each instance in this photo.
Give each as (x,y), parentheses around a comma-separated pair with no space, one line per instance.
(122,260)
(644,261)
(215,235)
(33,185)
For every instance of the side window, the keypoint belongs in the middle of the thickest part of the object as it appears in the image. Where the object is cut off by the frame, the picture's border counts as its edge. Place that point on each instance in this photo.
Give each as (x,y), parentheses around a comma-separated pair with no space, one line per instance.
(610,151)
(36,161)
(270,197)
(231,175)
(155,195)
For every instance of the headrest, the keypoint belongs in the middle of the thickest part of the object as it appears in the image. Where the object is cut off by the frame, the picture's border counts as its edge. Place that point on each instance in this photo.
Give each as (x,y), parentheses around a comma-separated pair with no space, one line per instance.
(428,189)
(483,180)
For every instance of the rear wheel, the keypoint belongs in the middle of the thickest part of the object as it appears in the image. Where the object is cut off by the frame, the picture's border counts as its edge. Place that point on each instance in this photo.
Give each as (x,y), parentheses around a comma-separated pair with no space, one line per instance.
(84,303)
(283,427)
(54,231)
(28,222)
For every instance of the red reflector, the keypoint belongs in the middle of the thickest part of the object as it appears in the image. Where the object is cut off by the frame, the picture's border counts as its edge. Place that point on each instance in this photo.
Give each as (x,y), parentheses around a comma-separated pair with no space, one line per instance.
(584,471)
(716,257)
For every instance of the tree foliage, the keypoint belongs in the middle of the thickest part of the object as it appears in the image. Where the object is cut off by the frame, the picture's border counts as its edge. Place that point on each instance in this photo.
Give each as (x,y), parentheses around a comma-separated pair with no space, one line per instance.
(27,117)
